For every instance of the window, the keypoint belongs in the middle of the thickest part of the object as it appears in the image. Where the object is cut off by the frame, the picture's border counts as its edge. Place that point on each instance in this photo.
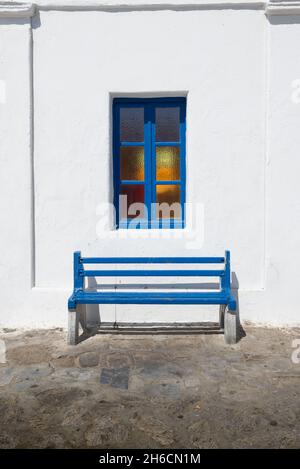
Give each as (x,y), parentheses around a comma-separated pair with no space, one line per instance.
(149,162)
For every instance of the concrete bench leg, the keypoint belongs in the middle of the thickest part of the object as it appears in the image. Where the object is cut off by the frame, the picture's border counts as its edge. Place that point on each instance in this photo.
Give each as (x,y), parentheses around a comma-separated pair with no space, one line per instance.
(230,327)
(73,327)
(82,317)
(221,315)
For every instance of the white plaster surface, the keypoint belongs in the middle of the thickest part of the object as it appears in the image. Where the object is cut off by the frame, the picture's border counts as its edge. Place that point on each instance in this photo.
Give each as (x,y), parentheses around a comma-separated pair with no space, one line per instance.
(235,67)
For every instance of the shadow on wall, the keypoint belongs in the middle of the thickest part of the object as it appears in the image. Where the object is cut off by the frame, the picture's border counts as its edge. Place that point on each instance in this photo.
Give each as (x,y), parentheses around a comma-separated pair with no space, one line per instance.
(93,317)
(235,291)
(283,19)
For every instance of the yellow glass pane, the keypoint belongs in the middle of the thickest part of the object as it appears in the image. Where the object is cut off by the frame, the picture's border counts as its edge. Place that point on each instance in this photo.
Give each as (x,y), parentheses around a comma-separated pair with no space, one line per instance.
(167,163)
(132,163)
(168,201)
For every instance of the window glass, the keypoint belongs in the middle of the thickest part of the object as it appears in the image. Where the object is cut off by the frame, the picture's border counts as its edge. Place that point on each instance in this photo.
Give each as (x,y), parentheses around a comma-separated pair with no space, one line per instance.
(132,163)
(132,124)
(149,162)
(169,196)
(167,124)
(167,163)
(132,200)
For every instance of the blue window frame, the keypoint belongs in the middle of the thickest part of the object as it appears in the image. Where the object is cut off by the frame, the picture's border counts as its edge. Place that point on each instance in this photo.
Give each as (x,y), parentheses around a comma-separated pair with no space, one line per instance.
(149,148)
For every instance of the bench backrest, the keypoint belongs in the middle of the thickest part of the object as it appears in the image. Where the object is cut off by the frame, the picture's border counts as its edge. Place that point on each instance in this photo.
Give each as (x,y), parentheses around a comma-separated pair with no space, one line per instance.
(80,272)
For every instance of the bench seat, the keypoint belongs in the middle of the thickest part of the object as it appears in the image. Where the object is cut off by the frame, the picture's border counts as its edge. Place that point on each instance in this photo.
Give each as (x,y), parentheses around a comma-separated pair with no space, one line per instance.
(153,298)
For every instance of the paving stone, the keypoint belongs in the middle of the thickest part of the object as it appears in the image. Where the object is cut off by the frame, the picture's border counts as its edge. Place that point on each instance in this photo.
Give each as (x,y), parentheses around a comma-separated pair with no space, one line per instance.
(165,390)
(33,372)
(183,392)
(78,374)
(118,360)
(89,359)
(159,369)
(63,361)
(6,375)
(115,377)
(24,386)
(29,354)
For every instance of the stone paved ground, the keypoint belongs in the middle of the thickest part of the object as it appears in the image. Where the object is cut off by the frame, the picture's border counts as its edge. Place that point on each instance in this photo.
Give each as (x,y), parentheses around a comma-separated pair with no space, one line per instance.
(163,391)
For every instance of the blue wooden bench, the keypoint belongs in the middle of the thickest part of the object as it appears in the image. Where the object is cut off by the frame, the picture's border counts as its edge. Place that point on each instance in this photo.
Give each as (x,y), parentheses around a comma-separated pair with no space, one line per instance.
(222,297)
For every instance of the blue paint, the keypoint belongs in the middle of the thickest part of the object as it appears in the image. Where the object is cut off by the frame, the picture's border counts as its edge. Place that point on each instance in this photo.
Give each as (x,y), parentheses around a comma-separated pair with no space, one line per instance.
(223,297)
(149,105)
(151,273)
(152,260)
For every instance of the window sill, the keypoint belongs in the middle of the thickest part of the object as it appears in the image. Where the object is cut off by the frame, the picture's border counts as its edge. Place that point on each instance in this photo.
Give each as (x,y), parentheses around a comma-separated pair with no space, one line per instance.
(153,225)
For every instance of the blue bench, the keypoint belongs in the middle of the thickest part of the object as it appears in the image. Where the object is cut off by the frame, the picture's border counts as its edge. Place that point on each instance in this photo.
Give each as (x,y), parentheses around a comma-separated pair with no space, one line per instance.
(222,297)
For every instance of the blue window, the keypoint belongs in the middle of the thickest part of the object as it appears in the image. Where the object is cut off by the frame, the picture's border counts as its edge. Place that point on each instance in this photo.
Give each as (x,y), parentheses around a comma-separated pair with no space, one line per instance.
(149,162)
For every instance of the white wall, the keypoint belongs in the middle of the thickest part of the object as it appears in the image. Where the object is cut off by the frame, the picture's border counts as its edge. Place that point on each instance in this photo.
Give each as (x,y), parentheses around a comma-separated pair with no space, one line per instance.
(283,190)
(235,66)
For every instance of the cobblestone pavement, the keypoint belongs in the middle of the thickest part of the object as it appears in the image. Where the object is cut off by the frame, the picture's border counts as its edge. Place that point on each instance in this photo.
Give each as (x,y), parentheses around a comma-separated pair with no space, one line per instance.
(158,391)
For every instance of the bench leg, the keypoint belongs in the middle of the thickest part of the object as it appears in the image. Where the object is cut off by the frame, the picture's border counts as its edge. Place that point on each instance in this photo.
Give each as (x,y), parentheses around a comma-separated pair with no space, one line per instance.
(221,315)
(82,317)
(73,327)
(230,327)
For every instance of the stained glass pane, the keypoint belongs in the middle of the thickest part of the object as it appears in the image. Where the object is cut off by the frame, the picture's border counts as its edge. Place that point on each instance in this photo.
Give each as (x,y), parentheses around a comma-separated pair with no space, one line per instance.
(167,124)
(132,200)
(167,163)
(168,195)
(132,124)
(132,163)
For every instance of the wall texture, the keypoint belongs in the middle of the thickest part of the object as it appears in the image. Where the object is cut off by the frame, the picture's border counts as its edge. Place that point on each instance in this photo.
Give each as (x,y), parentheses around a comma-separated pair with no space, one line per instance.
(62,62)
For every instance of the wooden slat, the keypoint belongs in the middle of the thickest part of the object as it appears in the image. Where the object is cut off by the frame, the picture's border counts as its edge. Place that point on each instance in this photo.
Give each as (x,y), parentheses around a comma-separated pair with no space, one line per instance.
(151,298)
(152,273)
(152,260)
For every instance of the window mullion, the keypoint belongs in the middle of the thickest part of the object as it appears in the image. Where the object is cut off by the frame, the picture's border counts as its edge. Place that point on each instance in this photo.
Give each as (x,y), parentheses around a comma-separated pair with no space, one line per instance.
(116,161)
(148,155)
(153,161)
(183,161)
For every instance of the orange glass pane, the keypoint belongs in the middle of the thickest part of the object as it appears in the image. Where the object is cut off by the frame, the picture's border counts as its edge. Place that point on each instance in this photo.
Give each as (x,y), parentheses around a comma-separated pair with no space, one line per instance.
(169,196)
(132,163)
(167,163)
(132,200)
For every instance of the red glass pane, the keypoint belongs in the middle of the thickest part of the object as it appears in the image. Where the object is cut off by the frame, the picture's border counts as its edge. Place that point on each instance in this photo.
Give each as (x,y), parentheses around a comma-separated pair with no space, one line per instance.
(132,200)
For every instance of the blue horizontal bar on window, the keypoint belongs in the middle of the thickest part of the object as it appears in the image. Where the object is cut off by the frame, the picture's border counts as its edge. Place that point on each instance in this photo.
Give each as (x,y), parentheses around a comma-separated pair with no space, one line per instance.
(131,181)
(131,144)
(134,223)
(167,223)
(133,101)
(152,273)
(153,260)
(168,144)
(142,223)
(168,182)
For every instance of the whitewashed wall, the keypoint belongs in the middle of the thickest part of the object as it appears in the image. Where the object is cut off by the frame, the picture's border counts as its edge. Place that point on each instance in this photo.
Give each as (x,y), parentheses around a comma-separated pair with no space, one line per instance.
(62,64)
